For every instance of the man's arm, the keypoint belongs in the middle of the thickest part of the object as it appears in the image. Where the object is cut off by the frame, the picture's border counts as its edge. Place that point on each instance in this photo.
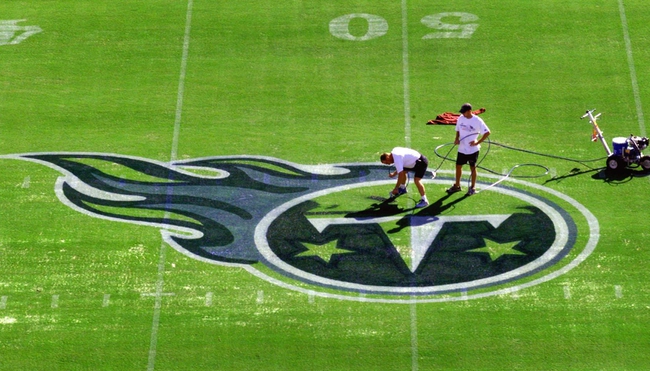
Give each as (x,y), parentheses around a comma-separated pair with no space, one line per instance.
(483,137)
(401,179)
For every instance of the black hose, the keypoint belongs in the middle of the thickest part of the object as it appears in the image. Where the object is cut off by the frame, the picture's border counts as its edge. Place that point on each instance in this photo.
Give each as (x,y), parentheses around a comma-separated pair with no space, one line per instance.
(490,143)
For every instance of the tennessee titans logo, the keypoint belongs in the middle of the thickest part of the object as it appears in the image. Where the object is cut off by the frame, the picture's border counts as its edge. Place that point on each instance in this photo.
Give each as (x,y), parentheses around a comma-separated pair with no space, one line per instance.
(321,229)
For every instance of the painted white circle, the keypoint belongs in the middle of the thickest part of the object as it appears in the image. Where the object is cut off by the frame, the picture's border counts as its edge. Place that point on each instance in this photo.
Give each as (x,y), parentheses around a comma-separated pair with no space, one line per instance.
(561,238)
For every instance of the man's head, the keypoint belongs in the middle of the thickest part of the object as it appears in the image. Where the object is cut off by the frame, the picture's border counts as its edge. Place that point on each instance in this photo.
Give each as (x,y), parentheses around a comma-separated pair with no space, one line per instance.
(386,158)
(466,109)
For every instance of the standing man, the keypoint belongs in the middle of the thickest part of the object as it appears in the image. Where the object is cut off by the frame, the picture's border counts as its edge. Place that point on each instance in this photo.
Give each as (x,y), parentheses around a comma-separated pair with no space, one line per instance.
(405,160)
(468,129)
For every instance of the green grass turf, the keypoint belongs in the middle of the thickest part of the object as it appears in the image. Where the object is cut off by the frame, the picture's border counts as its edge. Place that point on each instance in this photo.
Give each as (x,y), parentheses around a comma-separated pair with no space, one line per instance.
(268,78)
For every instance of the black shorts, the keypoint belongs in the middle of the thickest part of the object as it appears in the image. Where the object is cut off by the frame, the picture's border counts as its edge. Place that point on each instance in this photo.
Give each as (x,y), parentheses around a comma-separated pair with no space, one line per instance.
(420,167)
(463,159)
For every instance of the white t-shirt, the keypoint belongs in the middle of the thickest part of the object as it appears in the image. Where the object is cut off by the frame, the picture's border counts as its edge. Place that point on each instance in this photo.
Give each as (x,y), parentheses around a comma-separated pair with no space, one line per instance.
(404,158)
(469,130)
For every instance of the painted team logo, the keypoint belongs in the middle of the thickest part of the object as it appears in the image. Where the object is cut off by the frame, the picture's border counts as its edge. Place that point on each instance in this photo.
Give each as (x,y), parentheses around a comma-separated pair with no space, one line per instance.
(11,33)
(322,229)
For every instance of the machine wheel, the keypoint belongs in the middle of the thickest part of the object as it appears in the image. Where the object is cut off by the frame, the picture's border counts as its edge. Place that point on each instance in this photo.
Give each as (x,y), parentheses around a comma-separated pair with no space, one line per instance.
(615,163)
(645,163)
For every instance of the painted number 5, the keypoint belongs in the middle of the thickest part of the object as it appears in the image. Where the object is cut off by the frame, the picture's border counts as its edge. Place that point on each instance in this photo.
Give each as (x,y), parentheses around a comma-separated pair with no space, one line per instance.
(464,30)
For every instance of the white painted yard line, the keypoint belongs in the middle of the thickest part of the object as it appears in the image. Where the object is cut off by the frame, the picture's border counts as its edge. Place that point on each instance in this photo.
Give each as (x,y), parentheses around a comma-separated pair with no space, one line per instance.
(630,62)
(160,282)
(310,297)
(407,142)
(414,336)
(260,297)
(107,300)
(55,301)
(208,299)
(181,80)
(618,291)
(405,73)
(3,302)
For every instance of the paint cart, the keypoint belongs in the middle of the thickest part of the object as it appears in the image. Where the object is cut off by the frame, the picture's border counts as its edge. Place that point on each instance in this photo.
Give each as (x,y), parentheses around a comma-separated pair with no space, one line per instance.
(625,153)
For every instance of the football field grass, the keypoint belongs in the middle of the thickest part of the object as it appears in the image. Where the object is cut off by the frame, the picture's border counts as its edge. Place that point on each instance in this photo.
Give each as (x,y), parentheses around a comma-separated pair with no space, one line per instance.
(195,185)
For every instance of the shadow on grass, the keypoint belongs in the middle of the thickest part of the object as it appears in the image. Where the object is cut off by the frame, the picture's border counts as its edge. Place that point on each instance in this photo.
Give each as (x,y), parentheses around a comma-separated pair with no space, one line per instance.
(622,176)
(388,208)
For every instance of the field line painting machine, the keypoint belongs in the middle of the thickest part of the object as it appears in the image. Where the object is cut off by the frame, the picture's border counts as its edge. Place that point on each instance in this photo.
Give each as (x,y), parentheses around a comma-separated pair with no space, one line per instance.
(626,152)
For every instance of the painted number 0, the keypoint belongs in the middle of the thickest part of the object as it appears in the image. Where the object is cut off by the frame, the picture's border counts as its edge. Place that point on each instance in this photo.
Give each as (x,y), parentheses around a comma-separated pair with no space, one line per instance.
(340,27)
(378,26)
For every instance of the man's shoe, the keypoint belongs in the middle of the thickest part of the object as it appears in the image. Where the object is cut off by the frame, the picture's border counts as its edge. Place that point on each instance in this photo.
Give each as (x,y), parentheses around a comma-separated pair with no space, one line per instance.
(453,189)
(422,203)
(401,191)
(471,191)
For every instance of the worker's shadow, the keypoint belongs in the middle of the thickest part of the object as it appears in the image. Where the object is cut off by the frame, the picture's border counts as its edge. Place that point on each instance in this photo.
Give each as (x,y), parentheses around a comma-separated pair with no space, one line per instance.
(390,208)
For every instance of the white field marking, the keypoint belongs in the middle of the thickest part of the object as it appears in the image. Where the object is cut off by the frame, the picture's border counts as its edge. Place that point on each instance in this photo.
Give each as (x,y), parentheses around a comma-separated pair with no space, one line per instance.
(181,81)
(107,300)
(630,63)
(3,302)
(594,236)
(260,297)
(340,27)
(7,320)
(8,29)
(407,141)
(89,190)
(55,301)
(463,294)
(414,336)
(618,291)
(310,297)
(463,31)
(160,282)
(561,237)
(208,299)
(405,73)
(567,292)
(174,152)
(26,182)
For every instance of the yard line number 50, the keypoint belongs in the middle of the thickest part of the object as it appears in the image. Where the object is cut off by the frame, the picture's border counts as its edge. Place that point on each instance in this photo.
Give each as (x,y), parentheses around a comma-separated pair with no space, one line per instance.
(378,26)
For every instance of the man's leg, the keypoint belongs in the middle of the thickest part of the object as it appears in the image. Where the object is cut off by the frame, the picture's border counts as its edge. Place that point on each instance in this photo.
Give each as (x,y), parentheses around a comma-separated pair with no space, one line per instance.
(473,168)
(420,186)
(423,201)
